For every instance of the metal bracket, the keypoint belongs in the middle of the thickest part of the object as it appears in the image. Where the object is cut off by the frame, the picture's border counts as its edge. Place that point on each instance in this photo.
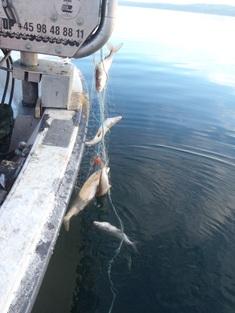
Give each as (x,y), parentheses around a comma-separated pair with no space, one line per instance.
(60,84)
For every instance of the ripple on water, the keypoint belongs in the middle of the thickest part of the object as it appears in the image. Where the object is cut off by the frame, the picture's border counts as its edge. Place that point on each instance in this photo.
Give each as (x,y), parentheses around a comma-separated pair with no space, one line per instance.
(174,186)
(172,170)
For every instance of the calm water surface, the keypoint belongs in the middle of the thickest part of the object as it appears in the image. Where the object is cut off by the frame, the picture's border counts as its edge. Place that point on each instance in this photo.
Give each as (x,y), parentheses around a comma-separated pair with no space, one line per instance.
(172,164)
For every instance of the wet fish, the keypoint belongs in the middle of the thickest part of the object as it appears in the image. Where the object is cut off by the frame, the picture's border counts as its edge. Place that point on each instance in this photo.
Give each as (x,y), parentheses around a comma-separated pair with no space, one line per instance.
(104,185)
(86,194)
(102,69)
(96,185)
(116,232)
(107,124)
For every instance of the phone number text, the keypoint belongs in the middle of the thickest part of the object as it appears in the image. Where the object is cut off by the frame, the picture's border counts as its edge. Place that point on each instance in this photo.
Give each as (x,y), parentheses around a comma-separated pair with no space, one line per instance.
(54,30)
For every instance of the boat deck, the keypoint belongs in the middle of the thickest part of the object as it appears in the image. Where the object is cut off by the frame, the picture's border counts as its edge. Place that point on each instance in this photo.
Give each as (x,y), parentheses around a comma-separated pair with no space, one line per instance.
(31,215)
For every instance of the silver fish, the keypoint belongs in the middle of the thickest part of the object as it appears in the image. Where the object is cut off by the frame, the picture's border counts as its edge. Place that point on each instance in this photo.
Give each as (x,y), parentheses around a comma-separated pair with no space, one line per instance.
(102,69)
(96,185)
(116,232)
(104,185)
(86,194)
(107,124)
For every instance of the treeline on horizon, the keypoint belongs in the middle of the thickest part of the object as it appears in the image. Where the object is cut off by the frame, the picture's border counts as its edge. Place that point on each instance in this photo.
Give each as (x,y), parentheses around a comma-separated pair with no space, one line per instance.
(217,9)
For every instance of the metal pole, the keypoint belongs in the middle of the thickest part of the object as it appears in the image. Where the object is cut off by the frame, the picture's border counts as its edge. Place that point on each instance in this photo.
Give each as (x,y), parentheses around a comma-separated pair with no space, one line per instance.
(29,89)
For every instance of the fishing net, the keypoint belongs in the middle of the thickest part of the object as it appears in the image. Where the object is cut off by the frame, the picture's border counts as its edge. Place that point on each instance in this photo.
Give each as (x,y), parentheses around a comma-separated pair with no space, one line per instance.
(102,108)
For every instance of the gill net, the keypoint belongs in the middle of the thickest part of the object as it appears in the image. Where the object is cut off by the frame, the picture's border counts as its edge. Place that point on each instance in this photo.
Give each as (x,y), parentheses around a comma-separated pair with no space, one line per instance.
(101,108)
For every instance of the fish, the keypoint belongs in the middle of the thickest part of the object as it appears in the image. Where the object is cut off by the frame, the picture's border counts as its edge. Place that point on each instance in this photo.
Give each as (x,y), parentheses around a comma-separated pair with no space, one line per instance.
(102,68)
(104,128)
(96,185)
(116,232)
(104,185)
(83,198)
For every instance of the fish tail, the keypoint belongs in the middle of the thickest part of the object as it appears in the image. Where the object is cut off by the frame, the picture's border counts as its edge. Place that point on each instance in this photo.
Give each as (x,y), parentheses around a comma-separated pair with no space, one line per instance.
(134,246)
(72,212)
(66,222)
(130,242)
(114,49)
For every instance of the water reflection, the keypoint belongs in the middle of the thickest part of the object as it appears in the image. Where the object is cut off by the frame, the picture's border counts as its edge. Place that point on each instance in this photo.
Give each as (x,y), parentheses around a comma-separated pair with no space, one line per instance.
(206,8)
(196,41)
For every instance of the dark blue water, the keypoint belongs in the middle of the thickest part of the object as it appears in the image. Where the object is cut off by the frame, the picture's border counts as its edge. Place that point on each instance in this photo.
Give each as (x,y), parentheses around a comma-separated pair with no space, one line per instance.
(172,160)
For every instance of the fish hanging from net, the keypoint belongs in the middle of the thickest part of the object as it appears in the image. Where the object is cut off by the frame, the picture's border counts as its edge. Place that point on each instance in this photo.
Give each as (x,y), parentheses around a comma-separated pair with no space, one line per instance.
(97,178)
(101,75)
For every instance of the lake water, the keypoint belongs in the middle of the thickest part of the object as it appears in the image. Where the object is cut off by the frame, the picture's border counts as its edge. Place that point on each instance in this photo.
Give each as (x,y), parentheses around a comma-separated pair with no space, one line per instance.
(172,160)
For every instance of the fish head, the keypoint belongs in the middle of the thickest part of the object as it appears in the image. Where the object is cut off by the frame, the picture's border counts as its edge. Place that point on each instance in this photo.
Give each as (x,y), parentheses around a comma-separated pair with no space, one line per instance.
(98,224)
(118,118)
(101,225)
(115,120)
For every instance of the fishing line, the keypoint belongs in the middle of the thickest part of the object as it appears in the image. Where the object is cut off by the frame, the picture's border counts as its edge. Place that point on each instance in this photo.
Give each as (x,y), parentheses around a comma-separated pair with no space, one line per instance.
(102,118)
(101,151)
(93,116)
(102,102)
(111,283)
(116,253)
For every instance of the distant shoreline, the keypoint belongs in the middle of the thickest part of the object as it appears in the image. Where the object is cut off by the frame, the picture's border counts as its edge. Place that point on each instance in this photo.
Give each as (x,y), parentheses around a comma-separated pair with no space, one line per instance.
(214,9)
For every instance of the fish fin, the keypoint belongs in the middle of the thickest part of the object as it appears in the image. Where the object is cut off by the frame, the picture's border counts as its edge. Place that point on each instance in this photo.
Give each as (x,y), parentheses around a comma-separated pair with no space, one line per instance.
(134,246)
(112,48)
(66,222)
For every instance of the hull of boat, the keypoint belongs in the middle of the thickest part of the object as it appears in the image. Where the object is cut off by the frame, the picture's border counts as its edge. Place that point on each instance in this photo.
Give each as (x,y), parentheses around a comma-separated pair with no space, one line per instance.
(31,215)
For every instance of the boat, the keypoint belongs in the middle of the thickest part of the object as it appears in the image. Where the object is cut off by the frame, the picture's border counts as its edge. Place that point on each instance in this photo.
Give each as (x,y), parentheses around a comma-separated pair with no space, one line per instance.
(43,144)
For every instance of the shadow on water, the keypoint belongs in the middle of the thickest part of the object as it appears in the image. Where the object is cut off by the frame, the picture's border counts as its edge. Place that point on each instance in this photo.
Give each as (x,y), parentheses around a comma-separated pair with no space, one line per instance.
(215,9)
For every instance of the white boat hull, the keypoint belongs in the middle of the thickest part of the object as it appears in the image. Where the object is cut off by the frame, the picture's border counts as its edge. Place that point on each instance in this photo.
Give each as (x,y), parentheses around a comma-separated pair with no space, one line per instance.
(31,215)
